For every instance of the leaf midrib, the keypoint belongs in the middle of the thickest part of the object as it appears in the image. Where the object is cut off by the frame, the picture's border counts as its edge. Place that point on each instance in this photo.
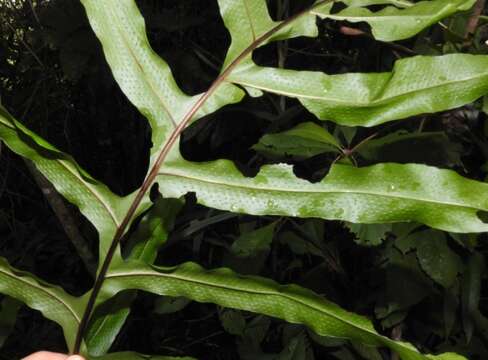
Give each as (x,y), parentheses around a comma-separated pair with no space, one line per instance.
(93,192)
(233,185)
(226,287)
(147,78)
(248,14)
(375,17)
(372,103)
(44,290)
(84,184)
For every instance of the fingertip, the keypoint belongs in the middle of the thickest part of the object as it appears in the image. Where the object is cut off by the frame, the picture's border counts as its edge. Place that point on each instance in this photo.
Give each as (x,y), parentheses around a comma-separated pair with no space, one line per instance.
(75,357)
(46,355)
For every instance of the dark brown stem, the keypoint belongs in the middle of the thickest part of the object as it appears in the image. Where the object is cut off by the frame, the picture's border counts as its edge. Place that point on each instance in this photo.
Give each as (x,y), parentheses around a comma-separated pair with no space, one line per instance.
(149,181)
(282,46)
(362,142)
(473,22)
(396,334)
(350,31)
(65,217)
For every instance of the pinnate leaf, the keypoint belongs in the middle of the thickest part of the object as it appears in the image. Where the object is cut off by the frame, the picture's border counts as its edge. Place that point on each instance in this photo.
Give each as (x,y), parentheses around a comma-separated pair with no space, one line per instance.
(142,75)
(439,198)
(471,292)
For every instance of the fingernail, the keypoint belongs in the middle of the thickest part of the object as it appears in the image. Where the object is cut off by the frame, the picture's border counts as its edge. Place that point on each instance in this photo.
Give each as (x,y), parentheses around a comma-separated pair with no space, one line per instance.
(75,357)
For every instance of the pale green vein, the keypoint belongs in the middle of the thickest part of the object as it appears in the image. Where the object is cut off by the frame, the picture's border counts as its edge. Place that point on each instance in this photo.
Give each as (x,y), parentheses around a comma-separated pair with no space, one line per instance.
(317,191)
(358,103)
(235,288)
(45,291)
(92,191)
(248,14)
(145,75)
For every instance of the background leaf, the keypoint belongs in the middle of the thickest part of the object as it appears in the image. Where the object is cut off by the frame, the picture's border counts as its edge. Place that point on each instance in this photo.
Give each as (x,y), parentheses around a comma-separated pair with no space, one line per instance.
(303,141)
(471,287)
(370,234)
(435,257)
(254,242)
(9,308)
(430,148)
(144,244)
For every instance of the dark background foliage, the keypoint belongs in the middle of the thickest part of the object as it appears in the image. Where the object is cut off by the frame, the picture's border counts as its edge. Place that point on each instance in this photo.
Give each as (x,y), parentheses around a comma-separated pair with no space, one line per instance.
(54,78)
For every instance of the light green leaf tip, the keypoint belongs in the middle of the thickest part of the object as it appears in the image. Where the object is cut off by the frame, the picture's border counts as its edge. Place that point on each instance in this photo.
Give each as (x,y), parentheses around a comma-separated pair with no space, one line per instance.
(393,23)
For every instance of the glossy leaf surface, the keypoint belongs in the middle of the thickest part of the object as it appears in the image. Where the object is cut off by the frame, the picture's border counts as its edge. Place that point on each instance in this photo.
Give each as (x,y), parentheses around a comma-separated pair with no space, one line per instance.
(393,23)
(52,301)
(142,75)
(439,198)
(302,141)
(416,85)
(144,244)
(291,303)
(102,207)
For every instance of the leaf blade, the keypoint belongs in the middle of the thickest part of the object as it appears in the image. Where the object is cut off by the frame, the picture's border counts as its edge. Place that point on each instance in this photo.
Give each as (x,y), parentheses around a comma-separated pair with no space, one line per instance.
(290,302)
(95,201)
(144,244)
(302,141)
(143,76)
(416,85)
(401,193)
(52,301)
(392,23)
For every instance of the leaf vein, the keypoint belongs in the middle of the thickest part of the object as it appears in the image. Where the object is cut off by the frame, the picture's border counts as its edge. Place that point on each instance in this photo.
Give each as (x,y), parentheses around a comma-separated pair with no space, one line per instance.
(44,290)
(275,293)
(318,191)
